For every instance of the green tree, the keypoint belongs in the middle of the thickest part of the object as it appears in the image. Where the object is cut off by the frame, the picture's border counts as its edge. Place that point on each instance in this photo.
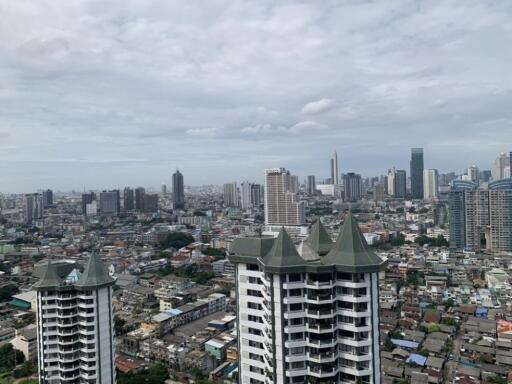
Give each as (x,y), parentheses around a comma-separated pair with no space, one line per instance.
(119,324)
(157,374)
(177,240)
(10,357)
(7,291)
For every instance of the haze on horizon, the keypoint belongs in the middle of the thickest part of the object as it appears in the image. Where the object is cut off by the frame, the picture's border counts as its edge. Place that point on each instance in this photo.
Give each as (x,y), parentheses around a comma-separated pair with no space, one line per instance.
(107,94)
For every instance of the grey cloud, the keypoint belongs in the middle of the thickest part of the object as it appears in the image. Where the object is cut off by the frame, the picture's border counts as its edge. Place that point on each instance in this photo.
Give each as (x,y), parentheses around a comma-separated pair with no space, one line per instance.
(318,106)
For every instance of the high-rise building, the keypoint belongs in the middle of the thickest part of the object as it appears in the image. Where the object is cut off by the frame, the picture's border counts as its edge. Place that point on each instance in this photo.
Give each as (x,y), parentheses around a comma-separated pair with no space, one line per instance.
(417,173)
(473,173)
(430,184)
(139,198)
(164,190)
(178,190)
(481,218)
(256,195)
(501,164)
(457,209)
(230,193)
(110,203)
(400,184)
(294,183)
(282,206)
(246,195)
(391,181)
(311,185)
(33,208)
(485,175)
(309,314)
(87,198)
(353,187)
(128,199)
(47,198)
(150,202)
(334,169)
(75,333)
(378,194)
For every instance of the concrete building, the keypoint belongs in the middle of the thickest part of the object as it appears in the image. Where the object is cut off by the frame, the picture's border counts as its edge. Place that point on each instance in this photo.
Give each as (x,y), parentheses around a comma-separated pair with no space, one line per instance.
(246,195)
(110,203)
(231,195)
(311,185)
(334,169)
(33,208)
(26,342)
(128,199)
(75,324)
(178,190)
(501,167)
(139,198)
(150,203)
(282,206)
(430,184)
(397,183)
(353,187)
(308,314)
(47,198)
(87,198)
(416,173)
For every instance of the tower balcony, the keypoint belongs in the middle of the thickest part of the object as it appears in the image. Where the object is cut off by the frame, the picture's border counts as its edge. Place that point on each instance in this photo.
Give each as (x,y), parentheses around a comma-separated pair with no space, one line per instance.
(321,313)
(322,357)
(319,299)
(322,372)
(313,284)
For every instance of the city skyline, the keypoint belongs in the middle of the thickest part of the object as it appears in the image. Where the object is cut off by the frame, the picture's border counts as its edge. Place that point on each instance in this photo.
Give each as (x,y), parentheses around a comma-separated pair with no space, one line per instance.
(121,95)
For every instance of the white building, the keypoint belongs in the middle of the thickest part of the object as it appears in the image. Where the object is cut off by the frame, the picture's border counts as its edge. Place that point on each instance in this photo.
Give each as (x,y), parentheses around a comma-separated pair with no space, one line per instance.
(334,169)
(430,184)
(75,324)
(501,167)
(282,205)
(308,314)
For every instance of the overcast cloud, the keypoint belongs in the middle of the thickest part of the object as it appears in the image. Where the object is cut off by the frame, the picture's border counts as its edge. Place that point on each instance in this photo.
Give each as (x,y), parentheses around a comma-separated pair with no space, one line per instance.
(109,93)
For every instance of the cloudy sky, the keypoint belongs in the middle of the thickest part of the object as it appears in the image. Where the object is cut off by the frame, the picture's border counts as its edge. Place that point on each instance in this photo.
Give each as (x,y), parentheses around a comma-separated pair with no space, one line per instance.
(111,93)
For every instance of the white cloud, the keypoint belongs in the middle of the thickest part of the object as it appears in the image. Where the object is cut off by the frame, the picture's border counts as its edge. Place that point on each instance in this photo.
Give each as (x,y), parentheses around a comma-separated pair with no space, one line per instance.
(318,106)
(202,132)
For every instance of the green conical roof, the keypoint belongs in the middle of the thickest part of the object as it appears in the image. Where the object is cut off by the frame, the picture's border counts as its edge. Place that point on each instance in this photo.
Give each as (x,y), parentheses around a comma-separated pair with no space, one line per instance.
(283,255)
(318,239)
(351,253)
(50,278)
(95,274)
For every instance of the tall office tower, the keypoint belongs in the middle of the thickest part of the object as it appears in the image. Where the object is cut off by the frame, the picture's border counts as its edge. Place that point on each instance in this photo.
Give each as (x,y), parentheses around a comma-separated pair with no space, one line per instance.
(430,184)
(33,208)
(378,194)
(230,193)
(501,163)
(294,183)
(282,206)
(309,314)
(334,169)
(128,199)
(110,203)
(457,209)
(87,198)
(256,195)
(75,324)
(311,185)
(485,175)
(178,190)
(417,173)
(139,198)
(500,215)
(246,195)
(164,190)
(391,181)
(150,203)
(47,198)
(400,184)
(473,173)
(353,187)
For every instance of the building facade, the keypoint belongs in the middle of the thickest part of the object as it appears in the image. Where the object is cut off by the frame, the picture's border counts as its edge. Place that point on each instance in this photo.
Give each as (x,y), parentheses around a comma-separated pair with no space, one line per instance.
(75,325)
(231,195)
(128,199)
(334,169)
(178,190)
(110,203)
(430,184)
(417,173)
(308,314)
(311,185)
(282,206)
(353,187)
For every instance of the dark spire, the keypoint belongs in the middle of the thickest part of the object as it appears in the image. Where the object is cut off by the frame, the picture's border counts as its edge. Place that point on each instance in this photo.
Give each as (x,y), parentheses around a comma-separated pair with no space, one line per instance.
(318,239)
(283,255)
(95,274)
(50,278)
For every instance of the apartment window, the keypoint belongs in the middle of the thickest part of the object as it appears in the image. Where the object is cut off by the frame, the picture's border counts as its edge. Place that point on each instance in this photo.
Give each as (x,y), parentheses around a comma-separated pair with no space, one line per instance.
(256,319)
(344,276)
(295,292)
(297,365)
(253,267)
(295,277)
(296,321)
(251,305)
(295,307)
(255,344)
(254,280)
(297,351)
(252,292)
(254,331)
(296,336)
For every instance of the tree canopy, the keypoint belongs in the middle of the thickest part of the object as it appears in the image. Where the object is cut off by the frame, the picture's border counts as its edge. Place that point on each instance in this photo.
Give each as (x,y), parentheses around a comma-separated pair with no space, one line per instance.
(177,240)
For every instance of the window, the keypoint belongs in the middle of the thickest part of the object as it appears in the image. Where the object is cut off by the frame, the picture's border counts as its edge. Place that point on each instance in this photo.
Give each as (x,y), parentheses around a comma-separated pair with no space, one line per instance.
(251,305)
(295,307)
(253,267)
(295,277)
(295,292)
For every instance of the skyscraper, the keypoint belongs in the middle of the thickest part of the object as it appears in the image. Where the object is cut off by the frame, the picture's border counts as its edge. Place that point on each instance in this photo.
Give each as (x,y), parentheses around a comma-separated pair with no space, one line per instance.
(430,184)
(33,208)
(282,206)
(139,198)
(334,169)
(309,314)
(391,181)
(47,198)
(110,202)
(75,324)
(178,190)
(378,193)
(230,193)
(473,173)
(311,185)
(353,187)
(128,199)
(246,195)
(457,209)
(256,195)
(417,173)
(501,165)
(400,184)
(294,183)
(87,198)
(150,203)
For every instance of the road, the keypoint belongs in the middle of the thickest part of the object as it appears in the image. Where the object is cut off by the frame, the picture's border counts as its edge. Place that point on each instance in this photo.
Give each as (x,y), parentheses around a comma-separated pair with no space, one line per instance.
(451,366)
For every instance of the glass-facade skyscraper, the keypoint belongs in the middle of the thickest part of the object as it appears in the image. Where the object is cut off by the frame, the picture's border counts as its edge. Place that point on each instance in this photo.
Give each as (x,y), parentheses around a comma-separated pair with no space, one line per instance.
(178,190)
(417,173)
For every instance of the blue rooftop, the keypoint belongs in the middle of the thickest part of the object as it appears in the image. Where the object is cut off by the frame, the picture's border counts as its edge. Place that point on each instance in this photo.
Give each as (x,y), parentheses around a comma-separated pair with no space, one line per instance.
(481,312)
(418,359)
(173,311)
(405,343)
